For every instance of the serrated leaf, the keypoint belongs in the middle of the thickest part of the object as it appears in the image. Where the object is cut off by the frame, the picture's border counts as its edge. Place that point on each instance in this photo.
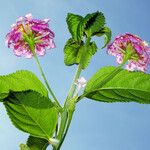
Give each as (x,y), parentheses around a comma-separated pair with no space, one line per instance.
(73,23)
(125,86)
(72,52)
(35,143)
(20,81)
(32,113)
(93,23)
(87,54)
(24,147)
(106,32)
(75,53)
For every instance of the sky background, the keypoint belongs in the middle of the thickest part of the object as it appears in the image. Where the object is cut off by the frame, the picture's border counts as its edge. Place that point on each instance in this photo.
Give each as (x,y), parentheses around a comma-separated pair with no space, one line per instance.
(95,126)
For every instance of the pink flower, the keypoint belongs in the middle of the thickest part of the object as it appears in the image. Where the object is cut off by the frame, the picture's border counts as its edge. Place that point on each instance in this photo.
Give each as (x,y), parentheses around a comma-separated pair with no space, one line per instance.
(28,29)
(139,58)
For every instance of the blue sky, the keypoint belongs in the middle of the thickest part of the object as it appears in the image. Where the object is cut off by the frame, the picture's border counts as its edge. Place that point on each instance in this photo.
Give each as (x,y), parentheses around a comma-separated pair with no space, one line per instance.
(95,125)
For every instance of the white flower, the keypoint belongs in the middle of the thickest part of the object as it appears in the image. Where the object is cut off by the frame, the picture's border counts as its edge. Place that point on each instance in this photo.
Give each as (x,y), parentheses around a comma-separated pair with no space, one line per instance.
(46,20)
(20,19)
(145,43)
(13,25)
(28,16)
(81,83)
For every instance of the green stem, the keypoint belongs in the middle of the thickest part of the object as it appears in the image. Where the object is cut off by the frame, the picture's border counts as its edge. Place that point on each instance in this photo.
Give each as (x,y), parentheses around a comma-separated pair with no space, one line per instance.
(31,43)
(46,82)
(67,116)
(77,74)
(73,86)
(66,131)
(64,115)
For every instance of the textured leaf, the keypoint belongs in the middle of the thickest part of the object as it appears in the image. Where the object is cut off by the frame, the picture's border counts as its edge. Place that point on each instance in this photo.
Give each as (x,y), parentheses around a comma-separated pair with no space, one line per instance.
(93,23)
(72,52)
(125,86)
(106,32)
(75,53)
(35,143)
(20,81)
(73,23)
(87,54)
(24,147)
(90,24)
(32,113)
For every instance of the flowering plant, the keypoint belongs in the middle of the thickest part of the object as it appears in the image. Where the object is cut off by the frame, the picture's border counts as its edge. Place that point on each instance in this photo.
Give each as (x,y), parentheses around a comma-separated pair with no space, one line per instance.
(33,107)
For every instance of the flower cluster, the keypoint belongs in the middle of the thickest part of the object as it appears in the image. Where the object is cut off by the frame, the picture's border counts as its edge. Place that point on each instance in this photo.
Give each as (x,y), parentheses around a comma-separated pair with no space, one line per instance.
(28,29)
(139,59)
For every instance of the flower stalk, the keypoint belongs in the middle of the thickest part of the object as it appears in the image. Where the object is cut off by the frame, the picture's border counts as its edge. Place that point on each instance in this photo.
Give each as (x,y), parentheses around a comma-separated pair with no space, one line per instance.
(69,105)
(47,84)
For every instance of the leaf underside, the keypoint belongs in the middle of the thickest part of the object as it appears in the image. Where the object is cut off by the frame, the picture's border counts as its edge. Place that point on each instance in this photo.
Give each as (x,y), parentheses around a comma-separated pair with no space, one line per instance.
(124,87)
(35,143)
(32,113)
(20,81)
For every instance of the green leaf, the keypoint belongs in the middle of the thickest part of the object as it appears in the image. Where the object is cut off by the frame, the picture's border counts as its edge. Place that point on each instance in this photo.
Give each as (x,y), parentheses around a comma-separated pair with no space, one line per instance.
(90,24)
(20,81)
(75,53)
(72,52)
(125,86)
(35,143)
(24,147)
(32,113)
(106,32)
(93,23)
(73,23)
(87,54)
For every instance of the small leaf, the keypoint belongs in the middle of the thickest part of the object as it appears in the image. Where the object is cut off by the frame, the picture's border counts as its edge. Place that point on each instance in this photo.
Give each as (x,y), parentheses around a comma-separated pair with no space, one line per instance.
(24,147)
(32,113)
(93,23)
(73,23)
(35,143)
(125,86)
(106,32)
(87,54)
(72,52)
(75,53)
(20,81)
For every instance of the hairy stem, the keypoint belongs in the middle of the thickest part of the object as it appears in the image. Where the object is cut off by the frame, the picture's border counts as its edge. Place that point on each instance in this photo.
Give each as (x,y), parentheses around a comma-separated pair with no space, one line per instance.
(31,43)
(66,130)
(73,86)
(65,115)
(66,120)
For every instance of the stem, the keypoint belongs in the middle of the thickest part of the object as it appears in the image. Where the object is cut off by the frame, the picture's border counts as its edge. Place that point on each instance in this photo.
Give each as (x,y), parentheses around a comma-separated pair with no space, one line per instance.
(73,86)
(77,74)
(64,117)
(66,131)
(31,43)
(46,82)
(68,110)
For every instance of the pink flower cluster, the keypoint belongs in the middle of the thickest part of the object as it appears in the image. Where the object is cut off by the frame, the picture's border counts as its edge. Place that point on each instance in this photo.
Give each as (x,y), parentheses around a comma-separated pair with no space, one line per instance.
(36,30)
(139,60)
